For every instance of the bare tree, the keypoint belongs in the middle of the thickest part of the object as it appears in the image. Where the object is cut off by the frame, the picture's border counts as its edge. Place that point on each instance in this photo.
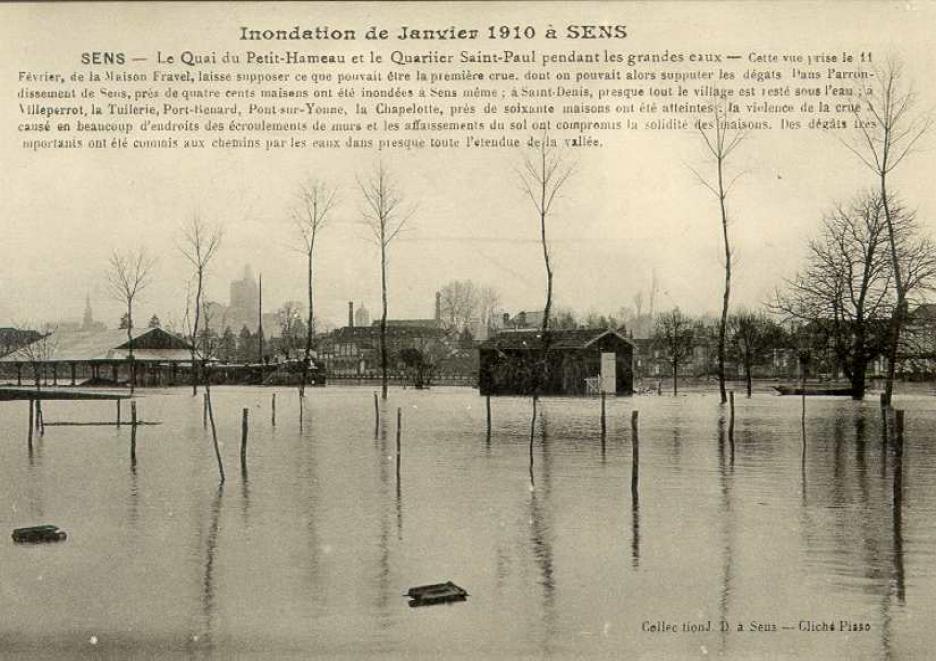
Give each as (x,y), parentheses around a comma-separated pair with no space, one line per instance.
(199,245)
(846,296)
(316,201)
(720,141)
(292,330)
(887,131)
(753,336)
(674,335)
(38,348)
(459,303)
(129,273)
(488,302)
(385,215)
(542,175)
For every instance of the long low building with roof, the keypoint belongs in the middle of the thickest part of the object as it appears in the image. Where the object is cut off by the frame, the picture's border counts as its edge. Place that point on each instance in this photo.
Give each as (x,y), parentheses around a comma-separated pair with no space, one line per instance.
(100,355)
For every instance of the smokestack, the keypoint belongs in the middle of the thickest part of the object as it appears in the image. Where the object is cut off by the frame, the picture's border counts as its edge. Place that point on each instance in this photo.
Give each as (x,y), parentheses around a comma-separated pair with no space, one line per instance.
(438,309)
(350,314)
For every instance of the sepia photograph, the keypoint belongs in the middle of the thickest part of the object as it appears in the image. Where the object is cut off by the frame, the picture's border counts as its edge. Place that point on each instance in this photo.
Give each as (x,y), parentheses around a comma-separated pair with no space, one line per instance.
(488,330)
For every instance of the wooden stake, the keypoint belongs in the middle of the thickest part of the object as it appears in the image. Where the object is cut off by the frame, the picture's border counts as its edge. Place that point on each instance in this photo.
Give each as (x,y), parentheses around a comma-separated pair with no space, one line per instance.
(376,416)
(898,432)
(244,416)
(635,454)
(399,425)
(487,403)
(731,418)
(40,423)
(204,410)
(118,412)
(273,411)
(31,405)
(604,426)
(133,430)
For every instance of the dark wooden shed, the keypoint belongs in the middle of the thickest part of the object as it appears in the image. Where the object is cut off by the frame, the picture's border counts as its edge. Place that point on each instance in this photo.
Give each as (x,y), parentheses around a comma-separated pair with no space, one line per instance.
(577,362)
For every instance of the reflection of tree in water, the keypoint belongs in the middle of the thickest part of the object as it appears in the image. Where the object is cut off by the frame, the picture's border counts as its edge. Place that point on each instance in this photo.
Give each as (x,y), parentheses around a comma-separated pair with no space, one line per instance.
(133,515)
(384,515)
(540,536)
(204,640)
(726,473)
(34,499)
(858,524)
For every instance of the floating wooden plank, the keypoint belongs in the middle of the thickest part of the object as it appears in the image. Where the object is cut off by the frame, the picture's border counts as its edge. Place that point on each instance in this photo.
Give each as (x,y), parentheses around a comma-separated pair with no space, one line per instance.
(437,593)
(20,394)
(39,534)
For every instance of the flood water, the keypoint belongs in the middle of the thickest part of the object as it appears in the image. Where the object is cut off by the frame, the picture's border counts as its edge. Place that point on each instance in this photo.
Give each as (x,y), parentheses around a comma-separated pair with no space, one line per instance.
(310,553)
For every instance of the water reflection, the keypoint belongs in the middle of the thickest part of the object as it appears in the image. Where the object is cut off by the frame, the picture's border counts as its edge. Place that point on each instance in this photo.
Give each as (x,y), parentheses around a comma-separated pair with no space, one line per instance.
(897,521)
(541,538)
(635,493)
(538,561)
(208,596)
(725,474)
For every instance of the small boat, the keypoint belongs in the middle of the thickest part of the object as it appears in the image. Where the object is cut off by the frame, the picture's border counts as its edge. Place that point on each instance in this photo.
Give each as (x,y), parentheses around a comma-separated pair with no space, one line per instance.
(38,534)
(437,593)
(830,391)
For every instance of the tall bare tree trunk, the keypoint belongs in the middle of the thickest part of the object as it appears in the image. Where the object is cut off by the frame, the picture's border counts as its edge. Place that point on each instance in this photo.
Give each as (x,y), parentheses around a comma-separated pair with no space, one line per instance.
(383,320)
(132,365)
(195,366)
(897,319)
(547,308)
(723,323)
(308,342)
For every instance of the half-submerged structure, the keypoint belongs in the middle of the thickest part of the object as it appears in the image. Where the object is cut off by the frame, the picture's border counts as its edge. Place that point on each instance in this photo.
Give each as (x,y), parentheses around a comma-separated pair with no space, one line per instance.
(101,357)
(577,362)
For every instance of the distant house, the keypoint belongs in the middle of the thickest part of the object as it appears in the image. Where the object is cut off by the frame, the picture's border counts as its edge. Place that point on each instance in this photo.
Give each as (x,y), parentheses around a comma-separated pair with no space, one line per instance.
(355,350)
(100,355)
(12,339)
(582,361)
(523,320)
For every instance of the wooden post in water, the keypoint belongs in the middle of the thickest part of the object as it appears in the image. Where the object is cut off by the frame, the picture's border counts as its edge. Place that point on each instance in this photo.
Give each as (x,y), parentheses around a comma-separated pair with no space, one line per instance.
(604,425)
(118,413)
(40,423)
(133,430)
(273,411)
(399,425)
(487,404)
(376,416)
(204,418)
(31,405)
(898,432)
(635,455)
(883,418)
(731,418)
(244,415)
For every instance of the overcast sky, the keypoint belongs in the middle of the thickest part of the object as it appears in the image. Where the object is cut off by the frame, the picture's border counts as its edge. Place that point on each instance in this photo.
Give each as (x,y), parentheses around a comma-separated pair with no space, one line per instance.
(631,207)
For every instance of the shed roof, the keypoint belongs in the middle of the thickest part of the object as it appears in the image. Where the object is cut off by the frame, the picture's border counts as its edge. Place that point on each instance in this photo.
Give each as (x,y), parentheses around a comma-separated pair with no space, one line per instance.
(580,338)
(110,344)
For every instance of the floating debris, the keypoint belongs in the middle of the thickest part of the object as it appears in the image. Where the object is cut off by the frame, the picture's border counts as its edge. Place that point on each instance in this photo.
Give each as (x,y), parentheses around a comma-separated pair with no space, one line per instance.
(831,391)
(437,593)
(38,534)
